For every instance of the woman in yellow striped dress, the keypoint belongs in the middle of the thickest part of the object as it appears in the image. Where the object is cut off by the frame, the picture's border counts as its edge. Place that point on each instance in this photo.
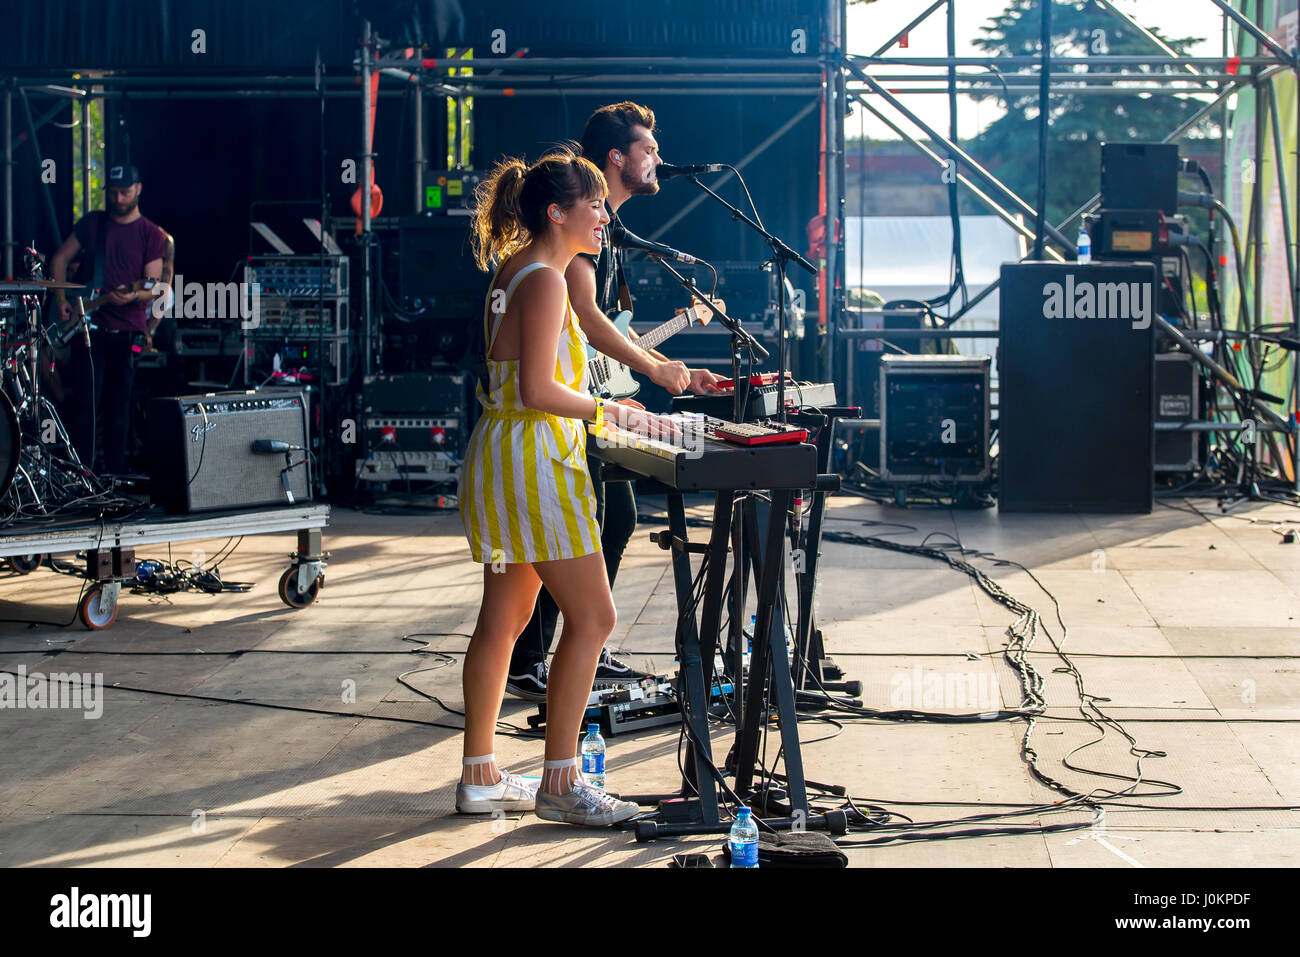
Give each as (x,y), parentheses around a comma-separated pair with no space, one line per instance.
(526,497)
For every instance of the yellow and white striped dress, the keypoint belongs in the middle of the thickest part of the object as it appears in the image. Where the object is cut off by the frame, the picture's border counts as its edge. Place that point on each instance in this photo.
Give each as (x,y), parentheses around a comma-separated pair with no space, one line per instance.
(525,492)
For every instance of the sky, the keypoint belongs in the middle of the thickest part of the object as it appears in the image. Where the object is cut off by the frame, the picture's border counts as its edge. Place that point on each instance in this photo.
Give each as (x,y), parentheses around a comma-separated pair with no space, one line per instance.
(870,25)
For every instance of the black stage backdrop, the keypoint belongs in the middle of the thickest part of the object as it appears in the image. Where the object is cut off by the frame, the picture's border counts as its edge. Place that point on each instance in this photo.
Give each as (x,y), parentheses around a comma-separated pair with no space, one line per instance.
(206,157)
(255,35)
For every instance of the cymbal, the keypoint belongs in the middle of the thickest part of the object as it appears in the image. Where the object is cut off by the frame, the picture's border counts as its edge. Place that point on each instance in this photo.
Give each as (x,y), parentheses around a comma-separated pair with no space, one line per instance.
(35,285)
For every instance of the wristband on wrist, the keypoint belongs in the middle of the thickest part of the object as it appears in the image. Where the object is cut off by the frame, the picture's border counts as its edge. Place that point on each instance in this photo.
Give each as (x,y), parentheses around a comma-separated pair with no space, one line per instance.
(599,421)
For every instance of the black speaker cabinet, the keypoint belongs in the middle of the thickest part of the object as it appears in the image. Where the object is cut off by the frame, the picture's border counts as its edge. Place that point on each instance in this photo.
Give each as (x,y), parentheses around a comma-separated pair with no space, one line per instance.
(437,273)
(1139,176)
(1075,394)
(201,456)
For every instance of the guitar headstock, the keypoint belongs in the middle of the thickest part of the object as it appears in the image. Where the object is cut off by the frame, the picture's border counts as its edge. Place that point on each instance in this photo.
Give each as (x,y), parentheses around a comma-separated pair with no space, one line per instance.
(699,313)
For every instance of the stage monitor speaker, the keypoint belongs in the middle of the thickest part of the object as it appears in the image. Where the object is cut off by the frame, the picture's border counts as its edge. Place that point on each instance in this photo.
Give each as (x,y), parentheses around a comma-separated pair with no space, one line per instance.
(201,451)
(438,277)
(1075,394)
(1140,176)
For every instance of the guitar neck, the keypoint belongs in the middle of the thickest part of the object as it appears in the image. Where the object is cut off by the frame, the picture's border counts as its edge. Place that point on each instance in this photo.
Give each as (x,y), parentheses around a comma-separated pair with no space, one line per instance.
(664,332)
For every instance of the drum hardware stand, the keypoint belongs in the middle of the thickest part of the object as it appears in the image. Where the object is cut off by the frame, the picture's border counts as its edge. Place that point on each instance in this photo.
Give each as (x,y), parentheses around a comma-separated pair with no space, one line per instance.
(38,462)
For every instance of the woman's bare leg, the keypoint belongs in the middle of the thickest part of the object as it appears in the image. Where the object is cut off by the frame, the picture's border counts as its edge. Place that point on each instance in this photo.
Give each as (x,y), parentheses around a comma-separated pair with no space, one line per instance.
(508,599)
(580,587)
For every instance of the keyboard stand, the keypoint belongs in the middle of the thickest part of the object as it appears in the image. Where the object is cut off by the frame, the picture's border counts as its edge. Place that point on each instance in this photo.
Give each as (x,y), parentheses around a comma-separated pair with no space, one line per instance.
(696,647)
(769,649)
(819,674)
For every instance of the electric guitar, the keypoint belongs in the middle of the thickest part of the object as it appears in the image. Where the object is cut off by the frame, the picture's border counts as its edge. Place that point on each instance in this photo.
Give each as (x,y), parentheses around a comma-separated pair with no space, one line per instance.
(611,379)
(60,334)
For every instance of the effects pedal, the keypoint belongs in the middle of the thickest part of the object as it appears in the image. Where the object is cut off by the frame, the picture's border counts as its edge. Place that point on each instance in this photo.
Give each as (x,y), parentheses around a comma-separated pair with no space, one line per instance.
(752,433)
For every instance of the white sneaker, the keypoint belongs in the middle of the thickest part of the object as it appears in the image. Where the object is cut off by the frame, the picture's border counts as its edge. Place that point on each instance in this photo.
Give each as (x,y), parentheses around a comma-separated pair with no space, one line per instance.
(585,805)
(511,793)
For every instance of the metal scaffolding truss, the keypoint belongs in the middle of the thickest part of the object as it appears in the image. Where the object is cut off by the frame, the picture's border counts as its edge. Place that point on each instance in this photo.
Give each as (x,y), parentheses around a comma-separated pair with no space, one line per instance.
(1169,73)
(830,81)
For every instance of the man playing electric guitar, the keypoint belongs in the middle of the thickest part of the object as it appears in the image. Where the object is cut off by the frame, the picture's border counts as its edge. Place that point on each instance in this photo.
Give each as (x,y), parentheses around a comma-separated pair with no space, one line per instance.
(620,140)
(118,247)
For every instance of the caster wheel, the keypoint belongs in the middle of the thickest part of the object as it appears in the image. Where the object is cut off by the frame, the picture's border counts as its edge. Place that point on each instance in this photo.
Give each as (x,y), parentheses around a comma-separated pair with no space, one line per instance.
(92,615)
(24,564)
(291,596)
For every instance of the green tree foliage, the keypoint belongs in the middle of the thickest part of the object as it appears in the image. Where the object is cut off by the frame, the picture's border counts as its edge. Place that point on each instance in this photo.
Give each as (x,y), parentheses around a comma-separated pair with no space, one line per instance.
(1078,123)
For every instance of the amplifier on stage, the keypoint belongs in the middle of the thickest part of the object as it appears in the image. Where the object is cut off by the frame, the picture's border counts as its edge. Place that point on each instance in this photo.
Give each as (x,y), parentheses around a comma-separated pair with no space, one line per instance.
(414,427)
(1075,367)
(934,418)
(228,450)
(1178,399)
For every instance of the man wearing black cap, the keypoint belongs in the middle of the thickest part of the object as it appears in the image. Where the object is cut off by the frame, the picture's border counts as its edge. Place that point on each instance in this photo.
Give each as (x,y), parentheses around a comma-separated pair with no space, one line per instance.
(116,247)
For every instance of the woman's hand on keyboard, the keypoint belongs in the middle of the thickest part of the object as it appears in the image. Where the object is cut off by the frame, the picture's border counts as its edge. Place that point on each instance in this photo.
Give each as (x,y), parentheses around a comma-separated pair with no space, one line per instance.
(637,419)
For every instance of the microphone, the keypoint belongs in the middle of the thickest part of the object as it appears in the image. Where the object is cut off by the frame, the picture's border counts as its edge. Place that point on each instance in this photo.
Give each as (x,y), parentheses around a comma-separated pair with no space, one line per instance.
(624,238)
(668,171)
(274,447)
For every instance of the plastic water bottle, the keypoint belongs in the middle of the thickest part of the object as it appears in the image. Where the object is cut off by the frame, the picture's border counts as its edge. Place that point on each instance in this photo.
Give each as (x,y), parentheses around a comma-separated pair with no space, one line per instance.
(744,840)
(1084,245)
(749,638)
(593,756)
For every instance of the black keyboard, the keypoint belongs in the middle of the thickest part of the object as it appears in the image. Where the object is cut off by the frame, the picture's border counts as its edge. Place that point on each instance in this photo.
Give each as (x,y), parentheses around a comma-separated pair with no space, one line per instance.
(698,462)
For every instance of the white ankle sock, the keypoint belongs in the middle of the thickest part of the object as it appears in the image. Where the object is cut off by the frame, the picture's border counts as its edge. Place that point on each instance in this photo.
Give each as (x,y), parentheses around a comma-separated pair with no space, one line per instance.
(554,774)
(480,770)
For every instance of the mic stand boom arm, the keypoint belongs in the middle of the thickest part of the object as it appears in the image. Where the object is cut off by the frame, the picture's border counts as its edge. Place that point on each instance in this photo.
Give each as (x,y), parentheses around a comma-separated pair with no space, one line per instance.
(740,338)
(782,254)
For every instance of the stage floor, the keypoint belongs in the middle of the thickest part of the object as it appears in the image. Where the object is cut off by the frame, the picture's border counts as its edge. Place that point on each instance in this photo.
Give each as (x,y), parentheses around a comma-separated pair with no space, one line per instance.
(1186,620)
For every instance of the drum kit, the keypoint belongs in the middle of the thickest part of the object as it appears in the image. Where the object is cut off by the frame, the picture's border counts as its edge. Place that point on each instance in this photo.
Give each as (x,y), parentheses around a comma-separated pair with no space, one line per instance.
(40,471)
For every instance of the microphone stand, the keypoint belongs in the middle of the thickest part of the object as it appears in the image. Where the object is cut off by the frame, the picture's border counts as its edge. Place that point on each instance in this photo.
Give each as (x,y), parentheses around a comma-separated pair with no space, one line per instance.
(740,337)
(782,255)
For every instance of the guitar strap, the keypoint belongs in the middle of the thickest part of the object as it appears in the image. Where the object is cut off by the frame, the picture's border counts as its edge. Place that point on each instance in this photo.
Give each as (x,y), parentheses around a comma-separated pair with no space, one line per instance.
(101,250)
(101,253)
(624,294)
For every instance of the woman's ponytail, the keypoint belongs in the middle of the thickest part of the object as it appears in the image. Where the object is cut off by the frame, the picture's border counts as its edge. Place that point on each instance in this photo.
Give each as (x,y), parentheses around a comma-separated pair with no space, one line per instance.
(498,227)
(510,204)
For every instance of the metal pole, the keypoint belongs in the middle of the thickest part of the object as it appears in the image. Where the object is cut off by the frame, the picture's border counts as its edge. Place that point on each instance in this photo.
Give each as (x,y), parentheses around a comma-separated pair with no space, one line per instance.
(1149,36)
(835,174)
(9,180)
(367,165)
(984,175)
(85,155)
(46,192)
(1001,212)
(1283,185)
(417,133)
(915,23)
(1183,127)
(1044,108)
(1257,195)
(1260,36)
(1008,63)
(1295,312)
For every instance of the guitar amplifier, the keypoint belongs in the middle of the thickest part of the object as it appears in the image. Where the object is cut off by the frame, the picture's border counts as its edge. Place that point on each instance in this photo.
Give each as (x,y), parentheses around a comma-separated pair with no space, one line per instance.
(201,451)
